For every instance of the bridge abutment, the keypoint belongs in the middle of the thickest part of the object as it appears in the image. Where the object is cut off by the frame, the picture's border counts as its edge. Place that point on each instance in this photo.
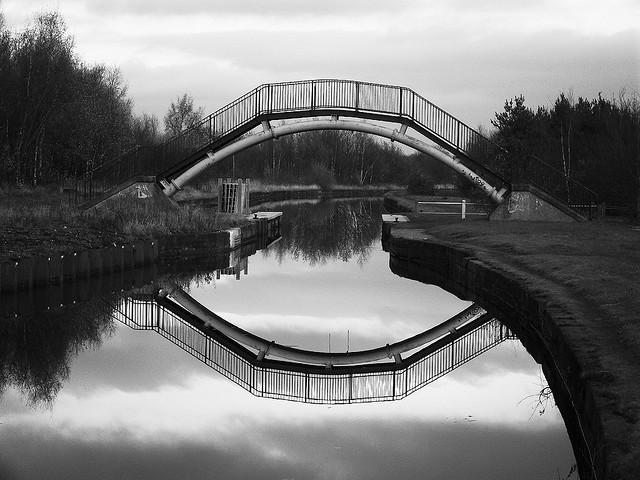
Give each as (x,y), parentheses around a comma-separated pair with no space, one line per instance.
(526,202)
(141,189)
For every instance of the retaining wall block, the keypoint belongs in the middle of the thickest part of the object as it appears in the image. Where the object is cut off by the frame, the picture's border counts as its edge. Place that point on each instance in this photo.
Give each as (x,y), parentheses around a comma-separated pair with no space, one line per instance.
(83,265)
(25,272)
(96,261)
(114,256)
(108,257)
(55,269)
(41,271)
(139,253)
(155,250)
(139,276)
(70,293)
(85,288)
(121,258)
(128,279)
(8,304)
(107,260)
(69,262)
(54,297)
(128,256)
(9,274)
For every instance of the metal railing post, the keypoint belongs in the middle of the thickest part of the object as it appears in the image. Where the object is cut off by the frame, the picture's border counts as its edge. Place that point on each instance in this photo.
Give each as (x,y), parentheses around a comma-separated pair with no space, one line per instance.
(464,209)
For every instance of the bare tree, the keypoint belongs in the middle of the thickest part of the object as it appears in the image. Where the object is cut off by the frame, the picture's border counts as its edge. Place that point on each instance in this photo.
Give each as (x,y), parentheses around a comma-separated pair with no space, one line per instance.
(145,130)
(181,115)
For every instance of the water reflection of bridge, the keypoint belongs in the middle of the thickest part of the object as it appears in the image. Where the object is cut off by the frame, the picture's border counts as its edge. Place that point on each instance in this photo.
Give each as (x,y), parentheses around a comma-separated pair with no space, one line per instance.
(308,383)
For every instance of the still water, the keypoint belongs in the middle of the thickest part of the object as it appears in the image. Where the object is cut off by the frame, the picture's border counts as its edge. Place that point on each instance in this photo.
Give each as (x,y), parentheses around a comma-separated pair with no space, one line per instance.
(84,396)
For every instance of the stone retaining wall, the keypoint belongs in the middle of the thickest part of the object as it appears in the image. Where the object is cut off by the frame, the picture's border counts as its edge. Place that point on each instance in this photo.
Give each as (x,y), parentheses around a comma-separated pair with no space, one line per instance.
(535,317)
(26,273)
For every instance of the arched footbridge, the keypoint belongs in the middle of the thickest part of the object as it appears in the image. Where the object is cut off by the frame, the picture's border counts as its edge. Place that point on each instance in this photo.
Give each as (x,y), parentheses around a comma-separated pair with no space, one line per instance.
(277,109)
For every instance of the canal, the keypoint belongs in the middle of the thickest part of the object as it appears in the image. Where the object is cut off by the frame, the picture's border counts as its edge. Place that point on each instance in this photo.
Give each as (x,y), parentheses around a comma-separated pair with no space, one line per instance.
(85,395)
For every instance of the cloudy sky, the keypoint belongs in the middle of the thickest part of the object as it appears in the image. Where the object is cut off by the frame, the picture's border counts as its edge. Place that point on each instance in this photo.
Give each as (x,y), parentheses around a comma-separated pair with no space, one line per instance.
(467,56)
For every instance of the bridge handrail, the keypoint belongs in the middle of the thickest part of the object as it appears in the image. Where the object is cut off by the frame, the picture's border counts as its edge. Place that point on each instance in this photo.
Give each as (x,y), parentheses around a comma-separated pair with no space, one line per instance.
(570,179)
(318,95)
(441,120)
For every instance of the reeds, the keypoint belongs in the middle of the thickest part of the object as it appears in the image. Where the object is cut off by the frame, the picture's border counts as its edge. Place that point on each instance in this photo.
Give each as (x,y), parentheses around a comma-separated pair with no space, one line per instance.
(144,220)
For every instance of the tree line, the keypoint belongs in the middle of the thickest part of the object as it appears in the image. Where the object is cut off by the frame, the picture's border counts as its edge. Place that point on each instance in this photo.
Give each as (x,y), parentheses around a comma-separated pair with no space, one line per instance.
(57,115)
(328,157)
(594,141)
(60,117)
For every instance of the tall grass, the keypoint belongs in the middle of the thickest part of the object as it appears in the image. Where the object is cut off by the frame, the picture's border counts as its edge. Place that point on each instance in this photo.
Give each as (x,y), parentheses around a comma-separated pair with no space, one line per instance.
(149,220)
(42,207)
(37,206)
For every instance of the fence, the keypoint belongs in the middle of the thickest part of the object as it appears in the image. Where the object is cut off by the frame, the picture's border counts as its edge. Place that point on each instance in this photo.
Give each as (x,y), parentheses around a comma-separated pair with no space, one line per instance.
(463,212)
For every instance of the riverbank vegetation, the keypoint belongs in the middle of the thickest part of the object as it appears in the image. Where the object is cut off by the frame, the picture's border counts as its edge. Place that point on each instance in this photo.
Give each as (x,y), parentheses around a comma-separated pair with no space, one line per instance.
(594,141)
(40,221)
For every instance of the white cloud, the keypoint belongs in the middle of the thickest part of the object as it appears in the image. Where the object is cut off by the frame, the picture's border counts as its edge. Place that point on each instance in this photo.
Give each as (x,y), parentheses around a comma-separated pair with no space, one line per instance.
(466,56)
(209,409)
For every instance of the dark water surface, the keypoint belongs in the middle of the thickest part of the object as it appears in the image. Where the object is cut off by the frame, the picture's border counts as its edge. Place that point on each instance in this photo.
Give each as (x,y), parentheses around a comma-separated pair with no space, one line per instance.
(84,396)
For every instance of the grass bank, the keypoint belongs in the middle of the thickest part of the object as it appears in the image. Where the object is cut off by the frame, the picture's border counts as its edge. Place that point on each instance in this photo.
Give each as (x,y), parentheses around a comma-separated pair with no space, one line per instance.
(585,280)
(40,221)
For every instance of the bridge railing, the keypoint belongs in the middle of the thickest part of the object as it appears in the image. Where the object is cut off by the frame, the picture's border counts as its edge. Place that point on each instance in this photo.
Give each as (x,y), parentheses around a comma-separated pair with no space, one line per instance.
(284,380)
(385,102)
(556,183)
(345,97)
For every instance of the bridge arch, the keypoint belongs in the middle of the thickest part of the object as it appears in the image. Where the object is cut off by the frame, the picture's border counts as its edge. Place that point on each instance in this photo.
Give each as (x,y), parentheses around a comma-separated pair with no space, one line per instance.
(320,105)
(269,132)
(449,327)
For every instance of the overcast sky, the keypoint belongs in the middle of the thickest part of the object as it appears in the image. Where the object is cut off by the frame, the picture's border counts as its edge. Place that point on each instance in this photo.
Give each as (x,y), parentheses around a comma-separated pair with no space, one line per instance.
(467,56)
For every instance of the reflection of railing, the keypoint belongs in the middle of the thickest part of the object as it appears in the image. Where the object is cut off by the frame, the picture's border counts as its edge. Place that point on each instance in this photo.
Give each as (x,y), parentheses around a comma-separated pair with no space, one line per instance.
(309,383)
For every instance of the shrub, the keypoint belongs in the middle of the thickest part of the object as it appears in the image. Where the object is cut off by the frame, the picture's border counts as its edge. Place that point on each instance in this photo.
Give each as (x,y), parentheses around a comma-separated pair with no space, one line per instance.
(322,176)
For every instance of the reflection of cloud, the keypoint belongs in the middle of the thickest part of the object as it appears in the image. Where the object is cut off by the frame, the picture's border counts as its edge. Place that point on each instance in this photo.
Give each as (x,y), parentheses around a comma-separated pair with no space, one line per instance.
(334,292)
(132,361)
(208,406)
(374,331)
(332,448)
